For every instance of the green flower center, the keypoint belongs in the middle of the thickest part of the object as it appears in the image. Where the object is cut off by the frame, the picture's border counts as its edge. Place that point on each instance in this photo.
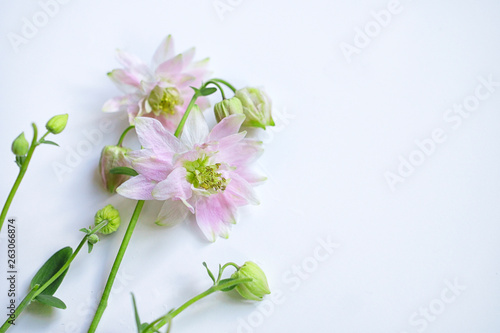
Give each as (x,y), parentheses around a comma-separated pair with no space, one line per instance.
(164,100)
(205,176)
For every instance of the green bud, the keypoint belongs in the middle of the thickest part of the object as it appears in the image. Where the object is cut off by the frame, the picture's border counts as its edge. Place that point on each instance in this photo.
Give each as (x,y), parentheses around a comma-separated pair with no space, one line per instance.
(227,107)
(112,215)
(57,124)
(113,157)
(20,146)
(255,289)
(92,239)
(256,107)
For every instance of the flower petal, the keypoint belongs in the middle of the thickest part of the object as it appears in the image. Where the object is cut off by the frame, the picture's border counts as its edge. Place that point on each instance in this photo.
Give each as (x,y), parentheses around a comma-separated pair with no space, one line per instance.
(152,135)
(228,126)
(172,212)
(133,64)
(138,188)
(124,80)
(164,51)
(153,167)
(171,67)
(240,192)
(214,216)
(196,128)
(241,154)
(175,186)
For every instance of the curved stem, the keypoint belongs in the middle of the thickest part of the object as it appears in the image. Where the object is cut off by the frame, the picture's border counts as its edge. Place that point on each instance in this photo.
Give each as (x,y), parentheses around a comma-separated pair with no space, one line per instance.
(37,290)
(178,131)
(116,265)
(22,171)
(120,141)
(229,85)
(160,322)
(218,86)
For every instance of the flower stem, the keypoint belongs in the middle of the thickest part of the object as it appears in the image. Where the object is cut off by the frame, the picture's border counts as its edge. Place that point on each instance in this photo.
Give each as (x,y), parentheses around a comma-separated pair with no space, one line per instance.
(218,86)
(178,131)
(160,322)
(119,144)
(22,171)
(230,86)
(37,289)
(116,265)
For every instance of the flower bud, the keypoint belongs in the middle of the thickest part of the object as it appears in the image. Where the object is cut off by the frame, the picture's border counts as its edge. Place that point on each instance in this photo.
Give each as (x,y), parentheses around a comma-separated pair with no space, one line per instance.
(57,124)
(20,146)
(92,239)
(227,107)
(256,107)
(112,215)
(112,157)
(255,289)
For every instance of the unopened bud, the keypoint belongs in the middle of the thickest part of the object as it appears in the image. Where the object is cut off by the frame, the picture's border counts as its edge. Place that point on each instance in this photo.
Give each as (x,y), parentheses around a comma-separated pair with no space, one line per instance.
(255,289)
(112,215)
(20,146)
(57,124)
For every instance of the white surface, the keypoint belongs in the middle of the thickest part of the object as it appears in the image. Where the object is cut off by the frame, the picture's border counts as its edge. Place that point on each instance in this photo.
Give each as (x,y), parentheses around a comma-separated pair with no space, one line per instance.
(326,166)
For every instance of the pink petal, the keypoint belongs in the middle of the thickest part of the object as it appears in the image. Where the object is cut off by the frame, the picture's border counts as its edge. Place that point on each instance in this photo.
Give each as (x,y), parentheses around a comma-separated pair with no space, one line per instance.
(152,135)
(133,63)
(138,188)
(240,192)
(153,167)
(228,126)
(187,57)
(172,212)
(175,186)
(241,154)
(170,67)
(195,129)
(164,51)
(214,214)
(125,80)
(251,176)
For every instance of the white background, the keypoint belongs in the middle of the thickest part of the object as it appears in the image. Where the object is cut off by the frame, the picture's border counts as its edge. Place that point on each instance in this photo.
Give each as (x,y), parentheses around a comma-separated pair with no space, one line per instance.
(346,124)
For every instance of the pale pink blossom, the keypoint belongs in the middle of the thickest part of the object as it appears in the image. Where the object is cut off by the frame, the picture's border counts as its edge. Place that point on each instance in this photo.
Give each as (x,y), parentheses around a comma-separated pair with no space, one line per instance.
(204,173)
(160,91)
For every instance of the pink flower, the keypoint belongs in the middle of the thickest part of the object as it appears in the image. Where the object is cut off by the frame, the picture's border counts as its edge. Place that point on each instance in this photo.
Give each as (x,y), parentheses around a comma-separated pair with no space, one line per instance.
(161,91)
(204,173)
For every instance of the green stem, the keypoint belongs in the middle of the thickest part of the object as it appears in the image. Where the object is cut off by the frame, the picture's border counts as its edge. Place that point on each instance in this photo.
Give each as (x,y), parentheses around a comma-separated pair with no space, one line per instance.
(22,171)
(230,86)
(116,265)
(178,131)
(160,322)
(119,144)
(218,86)
(37,290)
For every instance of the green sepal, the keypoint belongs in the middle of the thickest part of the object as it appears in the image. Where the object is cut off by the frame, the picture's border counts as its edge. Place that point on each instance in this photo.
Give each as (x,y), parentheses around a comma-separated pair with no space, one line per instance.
(228,288)
(207,91)
(48,142)
(124,171)
(91,246)
(51,301)
(49,269)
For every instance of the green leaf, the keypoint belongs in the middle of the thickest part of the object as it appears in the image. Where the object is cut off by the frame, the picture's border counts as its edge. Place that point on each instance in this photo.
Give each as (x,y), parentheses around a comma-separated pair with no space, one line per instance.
(228,288)
(50,268)
(51,300)
(136,314)
(207,91)
(49,142)
(123,171)
(209,272)
(91,246)
(85,230)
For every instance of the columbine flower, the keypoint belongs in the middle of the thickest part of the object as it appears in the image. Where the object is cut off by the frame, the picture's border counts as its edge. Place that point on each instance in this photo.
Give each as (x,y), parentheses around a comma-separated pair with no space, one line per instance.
(161,91)
(204,173)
